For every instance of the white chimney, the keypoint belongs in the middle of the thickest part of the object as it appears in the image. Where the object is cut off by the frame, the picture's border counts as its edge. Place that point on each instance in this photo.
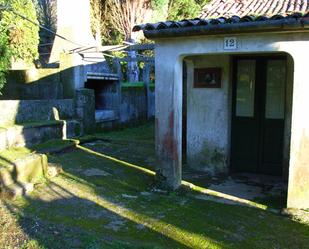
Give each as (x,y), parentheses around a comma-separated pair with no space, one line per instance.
(73,23)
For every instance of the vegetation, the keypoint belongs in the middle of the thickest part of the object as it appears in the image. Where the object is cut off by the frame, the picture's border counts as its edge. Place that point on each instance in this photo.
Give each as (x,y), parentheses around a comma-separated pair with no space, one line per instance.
(114,19)
(18,37)
(46,12)
(106,199)
(183,9)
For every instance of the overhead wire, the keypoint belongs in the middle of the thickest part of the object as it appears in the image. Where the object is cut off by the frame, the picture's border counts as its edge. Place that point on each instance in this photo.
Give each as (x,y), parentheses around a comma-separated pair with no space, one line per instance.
(80,46)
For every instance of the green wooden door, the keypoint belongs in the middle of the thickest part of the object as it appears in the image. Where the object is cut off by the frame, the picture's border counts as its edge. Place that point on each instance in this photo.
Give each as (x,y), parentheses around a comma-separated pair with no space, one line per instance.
(258,115)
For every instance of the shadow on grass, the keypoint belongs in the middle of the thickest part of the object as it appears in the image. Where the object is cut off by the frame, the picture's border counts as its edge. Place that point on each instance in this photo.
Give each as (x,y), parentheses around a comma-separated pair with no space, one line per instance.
(117,206)
(261,189)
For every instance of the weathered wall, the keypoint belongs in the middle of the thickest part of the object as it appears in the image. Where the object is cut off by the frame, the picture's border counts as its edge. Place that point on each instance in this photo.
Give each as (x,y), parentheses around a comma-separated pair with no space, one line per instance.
(208,117)
(288,118)
(298,190)
(85,108)
(151,103)
(72,77)
(135,105)
(23,111)
(33,84)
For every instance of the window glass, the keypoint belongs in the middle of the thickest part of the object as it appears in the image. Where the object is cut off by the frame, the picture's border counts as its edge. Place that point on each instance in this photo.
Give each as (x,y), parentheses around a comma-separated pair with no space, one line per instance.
(245,88)
(275,89)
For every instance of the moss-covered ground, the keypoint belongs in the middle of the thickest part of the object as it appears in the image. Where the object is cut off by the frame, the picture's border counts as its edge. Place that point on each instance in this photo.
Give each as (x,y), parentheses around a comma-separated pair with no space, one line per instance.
(106,198)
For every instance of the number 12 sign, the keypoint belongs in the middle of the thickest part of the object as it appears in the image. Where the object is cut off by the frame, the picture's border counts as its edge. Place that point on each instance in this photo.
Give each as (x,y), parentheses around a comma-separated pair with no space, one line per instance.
(230,43)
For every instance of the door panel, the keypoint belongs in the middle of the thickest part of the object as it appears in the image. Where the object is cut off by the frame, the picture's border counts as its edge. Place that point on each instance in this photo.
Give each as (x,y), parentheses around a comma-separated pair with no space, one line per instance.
(245,126)
(273,123)
(258,115)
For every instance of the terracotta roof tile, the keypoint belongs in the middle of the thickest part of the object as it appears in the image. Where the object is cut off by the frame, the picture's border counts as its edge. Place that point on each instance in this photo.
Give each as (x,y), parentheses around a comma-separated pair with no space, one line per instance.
(228,8)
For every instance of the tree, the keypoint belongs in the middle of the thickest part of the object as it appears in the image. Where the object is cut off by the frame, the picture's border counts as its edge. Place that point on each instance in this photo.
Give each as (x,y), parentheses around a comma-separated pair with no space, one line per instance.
(116,18)
(46,13)
(97,18)
(47,17)
(184,9)
(18,37)
(125,14)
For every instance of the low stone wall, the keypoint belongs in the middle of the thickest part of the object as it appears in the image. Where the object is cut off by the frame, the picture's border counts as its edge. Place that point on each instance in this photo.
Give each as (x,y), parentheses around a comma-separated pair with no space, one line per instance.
(151,107)
(134,104)
(23,111)
(33,84)
(28,135)
(85,108)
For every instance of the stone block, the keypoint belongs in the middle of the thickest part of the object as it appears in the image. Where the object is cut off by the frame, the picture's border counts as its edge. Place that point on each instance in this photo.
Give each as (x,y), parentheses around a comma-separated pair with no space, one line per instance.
(105,115)
(74,128)
(85,108)
(29,169)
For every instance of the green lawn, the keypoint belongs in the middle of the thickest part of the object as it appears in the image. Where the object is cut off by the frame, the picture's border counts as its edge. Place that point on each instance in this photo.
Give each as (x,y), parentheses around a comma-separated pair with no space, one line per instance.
(106,198)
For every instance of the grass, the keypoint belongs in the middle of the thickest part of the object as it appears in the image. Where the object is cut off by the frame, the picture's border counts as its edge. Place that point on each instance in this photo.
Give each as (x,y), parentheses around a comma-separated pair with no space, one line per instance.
(107,198)
(7,157)
(55,145)
(32,124)
(143,133)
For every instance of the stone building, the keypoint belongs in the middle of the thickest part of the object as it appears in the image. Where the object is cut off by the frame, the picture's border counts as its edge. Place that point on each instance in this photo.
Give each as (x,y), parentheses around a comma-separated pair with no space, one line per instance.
(232,92)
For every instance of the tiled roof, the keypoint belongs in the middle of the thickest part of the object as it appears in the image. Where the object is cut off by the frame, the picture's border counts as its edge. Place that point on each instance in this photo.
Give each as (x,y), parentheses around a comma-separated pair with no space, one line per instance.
(242,14)
(228,8)
(217,23)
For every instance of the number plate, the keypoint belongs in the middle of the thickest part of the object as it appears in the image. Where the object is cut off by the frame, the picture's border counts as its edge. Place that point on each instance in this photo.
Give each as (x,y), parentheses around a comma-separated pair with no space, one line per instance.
(230,43)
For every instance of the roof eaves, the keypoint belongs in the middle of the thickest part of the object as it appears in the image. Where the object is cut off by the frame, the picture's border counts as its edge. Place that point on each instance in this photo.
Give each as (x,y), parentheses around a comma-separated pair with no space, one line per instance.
(263,25)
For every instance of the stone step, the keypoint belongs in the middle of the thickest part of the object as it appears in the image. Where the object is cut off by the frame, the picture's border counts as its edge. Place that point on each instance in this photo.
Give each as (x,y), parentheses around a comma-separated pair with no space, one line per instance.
(29,168)
(30,134)
(15,190)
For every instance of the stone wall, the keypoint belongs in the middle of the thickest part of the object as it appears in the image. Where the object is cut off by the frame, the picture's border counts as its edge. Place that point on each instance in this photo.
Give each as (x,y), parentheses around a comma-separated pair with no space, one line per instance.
(24,111)
(85,108)
(134,104)
(30,134)
(33,84)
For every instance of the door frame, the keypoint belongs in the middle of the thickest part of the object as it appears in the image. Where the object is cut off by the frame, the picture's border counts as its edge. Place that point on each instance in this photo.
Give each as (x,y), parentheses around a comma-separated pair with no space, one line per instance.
(256,57)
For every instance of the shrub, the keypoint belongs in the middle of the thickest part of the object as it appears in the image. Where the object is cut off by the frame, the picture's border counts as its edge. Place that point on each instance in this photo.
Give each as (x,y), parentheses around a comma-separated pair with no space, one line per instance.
(18,37)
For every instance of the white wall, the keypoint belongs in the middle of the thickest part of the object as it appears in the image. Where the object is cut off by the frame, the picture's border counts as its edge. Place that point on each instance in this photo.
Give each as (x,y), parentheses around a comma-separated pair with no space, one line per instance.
(208,118)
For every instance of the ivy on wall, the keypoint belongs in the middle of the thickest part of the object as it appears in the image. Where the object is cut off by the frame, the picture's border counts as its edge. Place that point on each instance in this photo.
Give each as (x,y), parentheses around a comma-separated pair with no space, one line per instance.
(19,38)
